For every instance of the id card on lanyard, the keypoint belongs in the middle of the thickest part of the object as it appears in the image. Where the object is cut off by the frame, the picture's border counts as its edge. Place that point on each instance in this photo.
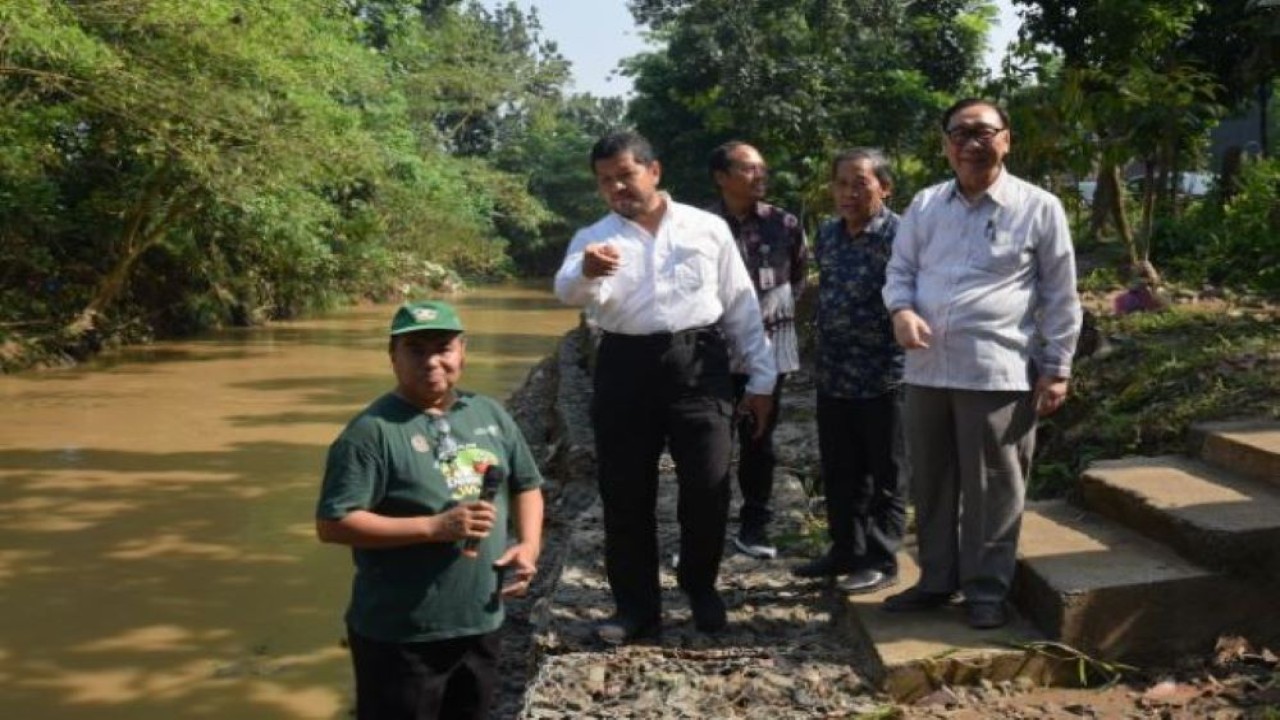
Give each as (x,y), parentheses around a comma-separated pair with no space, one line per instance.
(766,274)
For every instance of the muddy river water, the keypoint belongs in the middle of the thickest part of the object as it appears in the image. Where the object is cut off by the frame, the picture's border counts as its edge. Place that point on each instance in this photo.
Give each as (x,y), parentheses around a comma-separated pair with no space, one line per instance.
(157,553)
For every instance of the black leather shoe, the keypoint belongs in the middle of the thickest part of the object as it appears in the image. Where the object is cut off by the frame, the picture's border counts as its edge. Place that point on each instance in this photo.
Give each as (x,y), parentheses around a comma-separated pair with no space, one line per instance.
(866,581)
(986,615)
(620,630)
(709,615)
(914,599)
(825,566)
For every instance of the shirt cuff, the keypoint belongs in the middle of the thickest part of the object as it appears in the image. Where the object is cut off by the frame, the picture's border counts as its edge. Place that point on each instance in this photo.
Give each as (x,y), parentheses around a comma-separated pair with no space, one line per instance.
(1055,370)
(761,386)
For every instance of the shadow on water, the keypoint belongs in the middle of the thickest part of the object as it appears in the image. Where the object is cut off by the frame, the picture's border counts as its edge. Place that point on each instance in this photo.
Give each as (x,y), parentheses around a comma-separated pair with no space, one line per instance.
(131,591)
(157,549)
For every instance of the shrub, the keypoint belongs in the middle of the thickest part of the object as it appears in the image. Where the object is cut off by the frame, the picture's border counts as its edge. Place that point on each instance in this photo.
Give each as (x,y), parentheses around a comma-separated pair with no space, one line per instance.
(1236,244)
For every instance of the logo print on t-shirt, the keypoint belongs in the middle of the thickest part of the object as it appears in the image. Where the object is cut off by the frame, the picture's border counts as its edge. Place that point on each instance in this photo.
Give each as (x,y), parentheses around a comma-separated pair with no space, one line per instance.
(465,474)
(419,443)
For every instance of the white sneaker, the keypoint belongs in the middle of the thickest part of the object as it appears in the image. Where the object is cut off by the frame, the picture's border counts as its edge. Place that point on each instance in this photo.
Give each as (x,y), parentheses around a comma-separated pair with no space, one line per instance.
(756,544)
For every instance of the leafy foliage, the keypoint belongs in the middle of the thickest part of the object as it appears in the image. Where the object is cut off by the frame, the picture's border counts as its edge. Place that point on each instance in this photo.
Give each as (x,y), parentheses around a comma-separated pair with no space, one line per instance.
(799,79)
(1236,244)
(1140,83)
(199,163)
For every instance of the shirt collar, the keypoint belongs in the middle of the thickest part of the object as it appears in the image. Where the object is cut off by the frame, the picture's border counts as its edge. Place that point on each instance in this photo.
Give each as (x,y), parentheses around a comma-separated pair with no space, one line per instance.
(1000,192)
(873,226)
(759,210)
(878,221)
(667,212)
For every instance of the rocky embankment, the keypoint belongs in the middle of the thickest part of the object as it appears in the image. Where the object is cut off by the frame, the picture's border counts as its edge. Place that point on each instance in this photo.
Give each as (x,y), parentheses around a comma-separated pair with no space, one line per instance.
(781,656)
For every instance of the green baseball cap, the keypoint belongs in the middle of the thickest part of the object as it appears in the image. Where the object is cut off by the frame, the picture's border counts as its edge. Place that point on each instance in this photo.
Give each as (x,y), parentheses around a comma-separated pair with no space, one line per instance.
(425,315)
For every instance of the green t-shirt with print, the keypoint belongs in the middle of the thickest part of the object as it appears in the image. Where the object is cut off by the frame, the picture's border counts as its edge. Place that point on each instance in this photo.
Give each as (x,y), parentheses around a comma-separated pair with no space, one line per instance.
(392,459)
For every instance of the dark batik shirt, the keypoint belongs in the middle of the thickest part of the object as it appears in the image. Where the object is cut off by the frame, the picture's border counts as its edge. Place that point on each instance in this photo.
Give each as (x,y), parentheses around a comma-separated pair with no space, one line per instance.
(857,356)
(773,238)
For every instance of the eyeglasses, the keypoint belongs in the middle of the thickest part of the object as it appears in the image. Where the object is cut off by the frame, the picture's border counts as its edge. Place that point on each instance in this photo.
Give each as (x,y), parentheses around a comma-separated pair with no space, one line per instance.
(446,447)
(750,169)
(982,133)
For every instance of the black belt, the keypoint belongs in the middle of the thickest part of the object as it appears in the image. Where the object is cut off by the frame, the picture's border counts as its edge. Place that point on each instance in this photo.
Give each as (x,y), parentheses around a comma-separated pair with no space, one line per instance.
(666,338)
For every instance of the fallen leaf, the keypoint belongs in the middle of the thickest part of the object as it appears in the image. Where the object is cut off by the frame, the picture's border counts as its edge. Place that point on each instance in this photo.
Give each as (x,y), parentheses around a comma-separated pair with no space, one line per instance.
(1229,649)
(1170,693)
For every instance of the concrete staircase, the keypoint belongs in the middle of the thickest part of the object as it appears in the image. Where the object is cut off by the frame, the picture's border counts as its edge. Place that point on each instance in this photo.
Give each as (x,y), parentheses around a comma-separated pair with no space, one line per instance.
(1163,556)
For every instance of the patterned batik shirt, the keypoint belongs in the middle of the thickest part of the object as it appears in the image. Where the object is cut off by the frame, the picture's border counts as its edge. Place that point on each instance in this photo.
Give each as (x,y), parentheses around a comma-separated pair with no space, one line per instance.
(857,356)
(772,243)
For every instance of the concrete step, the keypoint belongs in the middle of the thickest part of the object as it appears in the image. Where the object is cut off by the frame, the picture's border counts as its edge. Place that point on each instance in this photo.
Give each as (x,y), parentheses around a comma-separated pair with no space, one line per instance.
(1248,447)
(1112,593)
(1219,520)
(914,654)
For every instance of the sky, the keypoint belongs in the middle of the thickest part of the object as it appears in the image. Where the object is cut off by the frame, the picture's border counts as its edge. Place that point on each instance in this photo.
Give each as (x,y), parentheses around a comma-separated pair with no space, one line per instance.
(595,34)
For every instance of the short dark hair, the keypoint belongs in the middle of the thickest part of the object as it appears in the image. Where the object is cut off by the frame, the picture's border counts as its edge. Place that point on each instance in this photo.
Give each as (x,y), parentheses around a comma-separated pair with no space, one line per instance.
(879,163)
(719,160)
(621,141)
(969,102)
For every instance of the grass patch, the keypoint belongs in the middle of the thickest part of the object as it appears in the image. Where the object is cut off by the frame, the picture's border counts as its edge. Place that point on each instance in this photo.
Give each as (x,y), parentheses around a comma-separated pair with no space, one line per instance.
(1156,374)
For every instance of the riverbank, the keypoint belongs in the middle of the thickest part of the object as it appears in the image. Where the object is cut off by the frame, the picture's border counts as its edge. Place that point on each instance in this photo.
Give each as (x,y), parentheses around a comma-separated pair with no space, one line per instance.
(782,657)
(45,344)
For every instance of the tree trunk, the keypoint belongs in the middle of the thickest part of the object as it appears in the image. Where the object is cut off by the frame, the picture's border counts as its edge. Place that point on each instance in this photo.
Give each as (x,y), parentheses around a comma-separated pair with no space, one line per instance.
(1101,209)
(1110,173)
(1142,243)
(134,241)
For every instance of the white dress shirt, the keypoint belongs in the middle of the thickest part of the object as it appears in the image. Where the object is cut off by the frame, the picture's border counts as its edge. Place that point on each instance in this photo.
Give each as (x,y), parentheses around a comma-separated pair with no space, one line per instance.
(687,275)
(994,279)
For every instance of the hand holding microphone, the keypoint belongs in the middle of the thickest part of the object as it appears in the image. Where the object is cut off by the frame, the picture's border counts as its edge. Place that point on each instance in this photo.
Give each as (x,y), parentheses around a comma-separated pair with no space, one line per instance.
(493,479)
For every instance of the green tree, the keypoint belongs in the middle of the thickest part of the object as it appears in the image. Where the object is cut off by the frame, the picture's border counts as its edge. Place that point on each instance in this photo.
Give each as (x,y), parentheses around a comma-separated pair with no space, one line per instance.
(800,79)
(188,164)
(1139,93)
(549,148)
(152,114)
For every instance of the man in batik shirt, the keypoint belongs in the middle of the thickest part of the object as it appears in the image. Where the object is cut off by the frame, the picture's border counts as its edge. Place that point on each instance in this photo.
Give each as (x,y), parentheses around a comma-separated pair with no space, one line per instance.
(772,244)
(859,371)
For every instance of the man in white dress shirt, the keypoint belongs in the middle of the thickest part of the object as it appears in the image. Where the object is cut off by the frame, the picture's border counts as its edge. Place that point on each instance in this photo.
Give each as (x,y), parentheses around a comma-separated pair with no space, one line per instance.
(982,290)
(666,284)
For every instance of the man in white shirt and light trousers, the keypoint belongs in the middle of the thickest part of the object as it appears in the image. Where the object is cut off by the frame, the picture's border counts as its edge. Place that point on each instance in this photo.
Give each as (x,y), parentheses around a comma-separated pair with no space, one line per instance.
(982,290)
(666,284)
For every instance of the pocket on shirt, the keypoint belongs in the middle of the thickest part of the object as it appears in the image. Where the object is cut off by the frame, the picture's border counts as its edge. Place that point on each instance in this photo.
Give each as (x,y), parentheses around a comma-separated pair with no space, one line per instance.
(692,272)
(1001,255)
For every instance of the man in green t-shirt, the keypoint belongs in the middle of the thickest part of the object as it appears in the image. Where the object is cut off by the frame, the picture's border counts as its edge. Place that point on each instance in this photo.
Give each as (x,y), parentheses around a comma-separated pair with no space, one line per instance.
(421,485)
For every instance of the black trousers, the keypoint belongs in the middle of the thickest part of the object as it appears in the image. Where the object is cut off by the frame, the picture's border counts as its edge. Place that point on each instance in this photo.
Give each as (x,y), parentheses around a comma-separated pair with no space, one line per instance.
(864,475)
(756,459)
(651,391)
(448,679)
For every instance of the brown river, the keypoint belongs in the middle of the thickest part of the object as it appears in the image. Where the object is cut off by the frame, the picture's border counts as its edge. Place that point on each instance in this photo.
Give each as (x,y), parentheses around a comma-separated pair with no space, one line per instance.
(157,553)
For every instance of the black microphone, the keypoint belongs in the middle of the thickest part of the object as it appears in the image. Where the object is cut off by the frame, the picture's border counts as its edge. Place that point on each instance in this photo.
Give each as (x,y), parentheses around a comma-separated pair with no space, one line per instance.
(493,477)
